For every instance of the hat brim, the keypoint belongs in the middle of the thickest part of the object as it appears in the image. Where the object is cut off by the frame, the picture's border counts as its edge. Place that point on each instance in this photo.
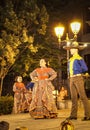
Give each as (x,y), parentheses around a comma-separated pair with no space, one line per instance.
(73,47)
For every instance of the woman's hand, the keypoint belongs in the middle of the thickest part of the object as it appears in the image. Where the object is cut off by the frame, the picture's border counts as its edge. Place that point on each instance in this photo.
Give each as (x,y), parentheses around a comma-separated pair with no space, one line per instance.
(36,79)
(47,79)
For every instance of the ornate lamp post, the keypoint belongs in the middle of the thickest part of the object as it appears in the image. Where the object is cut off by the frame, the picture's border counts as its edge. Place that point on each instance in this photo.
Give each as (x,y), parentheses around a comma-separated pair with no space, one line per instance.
(75,27)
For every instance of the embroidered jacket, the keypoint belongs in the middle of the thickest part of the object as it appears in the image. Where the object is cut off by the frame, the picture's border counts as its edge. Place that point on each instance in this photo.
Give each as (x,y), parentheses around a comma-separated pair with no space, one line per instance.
(77,65)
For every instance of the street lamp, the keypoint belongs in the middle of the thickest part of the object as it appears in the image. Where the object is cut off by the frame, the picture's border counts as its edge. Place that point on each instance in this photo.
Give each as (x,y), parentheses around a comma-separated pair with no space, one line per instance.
(59,33)
(75,27)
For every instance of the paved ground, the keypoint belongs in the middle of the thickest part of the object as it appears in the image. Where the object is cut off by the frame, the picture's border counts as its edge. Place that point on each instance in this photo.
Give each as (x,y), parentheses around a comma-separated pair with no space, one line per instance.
(18,120)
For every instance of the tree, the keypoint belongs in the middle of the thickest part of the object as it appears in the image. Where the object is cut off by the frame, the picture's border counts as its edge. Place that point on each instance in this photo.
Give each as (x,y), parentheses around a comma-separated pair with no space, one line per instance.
(21,22)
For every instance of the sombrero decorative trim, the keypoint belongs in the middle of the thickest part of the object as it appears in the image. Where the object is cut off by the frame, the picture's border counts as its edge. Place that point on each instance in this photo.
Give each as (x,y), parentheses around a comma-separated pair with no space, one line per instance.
(74,45)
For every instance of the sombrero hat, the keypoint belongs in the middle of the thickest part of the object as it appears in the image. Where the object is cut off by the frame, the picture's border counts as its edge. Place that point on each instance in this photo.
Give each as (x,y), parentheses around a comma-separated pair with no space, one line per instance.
(74,45)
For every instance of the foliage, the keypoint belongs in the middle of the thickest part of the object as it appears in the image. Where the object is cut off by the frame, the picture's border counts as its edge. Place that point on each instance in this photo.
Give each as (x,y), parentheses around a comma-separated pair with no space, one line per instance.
(16,23)
(6,104)
(20,23)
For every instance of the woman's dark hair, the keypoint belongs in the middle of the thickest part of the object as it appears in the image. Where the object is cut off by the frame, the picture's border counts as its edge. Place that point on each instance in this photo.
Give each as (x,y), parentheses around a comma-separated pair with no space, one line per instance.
(47,61)
(17,77)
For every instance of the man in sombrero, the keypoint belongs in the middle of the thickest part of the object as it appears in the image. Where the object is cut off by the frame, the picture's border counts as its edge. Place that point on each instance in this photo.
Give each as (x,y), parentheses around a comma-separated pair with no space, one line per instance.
(77,67)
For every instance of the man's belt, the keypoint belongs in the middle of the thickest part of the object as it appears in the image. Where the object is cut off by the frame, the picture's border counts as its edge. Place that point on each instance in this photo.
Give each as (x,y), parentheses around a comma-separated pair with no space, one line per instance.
(76,75)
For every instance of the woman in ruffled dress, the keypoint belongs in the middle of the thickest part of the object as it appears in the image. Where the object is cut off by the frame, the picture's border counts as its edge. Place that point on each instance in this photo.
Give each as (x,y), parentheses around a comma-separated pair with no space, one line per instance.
(43,104)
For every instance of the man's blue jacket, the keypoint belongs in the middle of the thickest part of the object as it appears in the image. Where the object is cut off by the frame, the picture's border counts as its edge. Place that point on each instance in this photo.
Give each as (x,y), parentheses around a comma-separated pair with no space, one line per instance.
(77,65)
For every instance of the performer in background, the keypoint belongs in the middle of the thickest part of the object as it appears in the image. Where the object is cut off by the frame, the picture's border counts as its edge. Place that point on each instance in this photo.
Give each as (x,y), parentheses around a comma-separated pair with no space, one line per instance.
(43,104)
(63,94)
(19,95)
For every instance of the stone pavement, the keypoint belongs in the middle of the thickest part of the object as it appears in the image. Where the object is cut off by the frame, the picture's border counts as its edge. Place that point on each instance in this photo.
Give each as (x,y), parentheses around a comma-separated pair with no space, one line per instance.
(24,119)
